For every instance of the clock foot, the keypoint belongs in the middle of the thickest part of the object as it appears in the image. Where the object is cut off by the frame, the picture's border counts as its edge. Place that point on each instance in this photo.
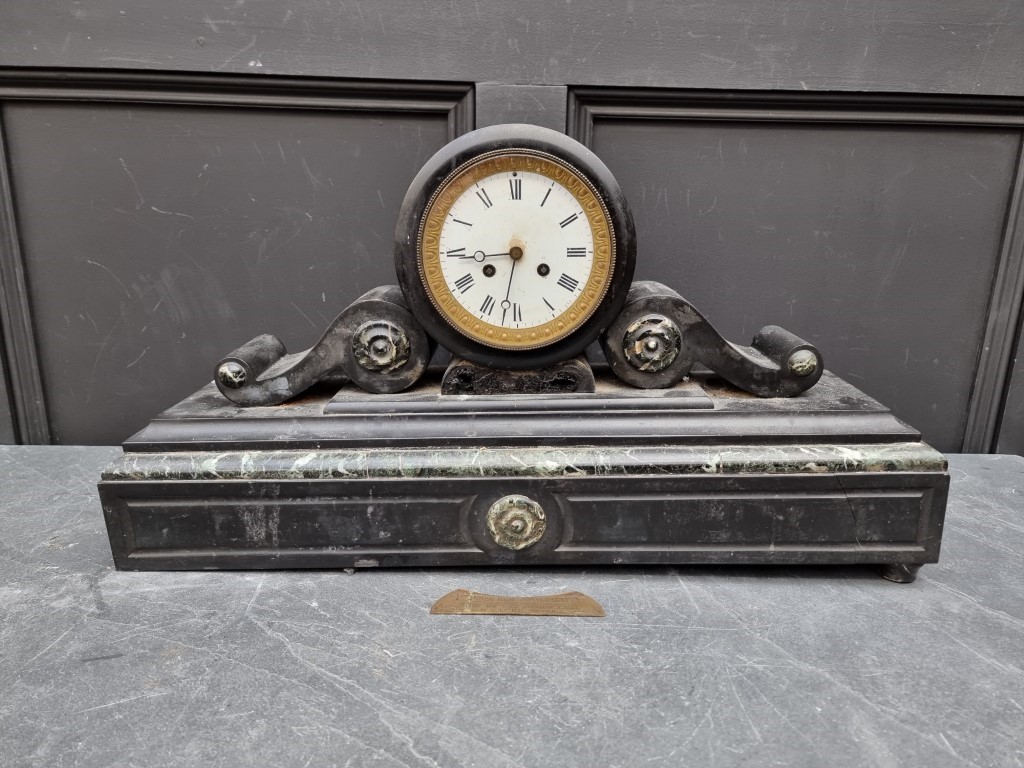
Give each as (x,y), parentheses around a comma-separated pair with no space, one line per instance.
(901,573)
(374,342)
(467,378)
(659,336)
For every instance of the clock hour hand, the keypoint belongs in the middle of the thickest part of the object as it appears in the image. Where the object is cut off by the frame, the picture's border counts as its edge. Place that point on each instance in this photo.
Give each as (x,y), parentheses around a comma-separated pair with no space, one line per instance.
(506,304)
(511,272)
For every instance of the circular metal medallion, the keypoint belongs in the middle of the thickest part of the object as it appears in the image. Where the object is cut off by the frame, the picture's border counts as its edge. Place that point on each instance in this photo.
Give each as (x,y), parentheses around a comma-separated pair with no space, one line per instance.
(380,346)
(803,362)
(231,374)
(652,343)
(516,522)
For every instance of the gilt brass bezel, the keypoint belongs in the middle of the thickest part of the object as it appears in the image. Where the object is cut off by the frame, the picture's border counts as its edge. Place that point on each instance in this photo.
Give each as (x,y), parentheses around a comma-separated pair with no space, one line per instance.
(429,257)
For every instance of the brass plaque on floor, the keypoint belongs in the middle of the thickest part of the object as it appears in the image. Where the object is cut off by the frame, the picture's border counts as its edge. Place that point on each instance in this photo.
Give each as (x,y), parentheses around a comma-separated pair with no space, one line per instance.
(463,602)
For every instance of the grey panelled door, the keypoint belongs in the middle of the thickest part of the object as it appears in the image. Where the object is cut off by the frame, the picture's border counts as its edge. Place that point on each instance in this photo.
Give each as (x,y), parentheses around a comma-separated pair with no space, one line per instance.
(173,184)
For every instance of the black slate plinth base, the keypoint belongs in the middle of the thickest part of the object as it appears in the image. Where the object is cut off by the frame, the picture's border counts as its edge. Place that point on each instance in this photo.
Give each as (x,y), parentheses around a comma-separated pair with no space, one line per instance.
(700,473)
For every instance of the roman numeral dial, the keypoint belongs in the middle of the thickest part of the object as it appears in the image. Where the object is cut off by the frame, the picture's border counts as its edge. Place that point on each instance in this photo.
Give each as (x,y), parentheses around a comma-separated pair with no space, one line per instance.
(516,250)
(569,283)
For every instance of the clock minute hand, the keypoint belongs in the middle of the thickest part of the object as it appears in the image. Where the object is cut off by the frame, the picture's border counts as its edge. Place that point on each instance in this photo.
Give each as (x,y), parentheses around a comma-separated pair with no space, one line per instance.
(480,255)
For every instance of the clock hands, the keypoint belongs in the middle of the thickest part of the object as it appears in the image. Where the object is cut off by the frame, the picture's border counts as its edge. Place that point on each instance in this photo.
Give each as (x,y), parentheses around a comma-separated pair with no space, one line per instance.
(515,252)
(480,255)
(505,304)
(464,283)
(511,272)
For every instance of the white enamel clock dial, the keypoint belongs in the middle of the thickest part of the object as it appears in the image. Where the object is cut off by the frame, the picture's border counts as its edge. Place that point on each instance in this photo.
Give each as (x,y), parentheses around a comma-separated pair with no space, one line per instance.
(516,250)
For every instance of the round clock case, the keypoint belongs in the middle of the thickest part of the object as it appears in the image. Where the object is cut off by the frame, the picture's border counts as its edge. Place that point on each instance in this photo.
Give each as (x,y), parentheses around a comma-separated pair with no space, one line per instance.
(434,298)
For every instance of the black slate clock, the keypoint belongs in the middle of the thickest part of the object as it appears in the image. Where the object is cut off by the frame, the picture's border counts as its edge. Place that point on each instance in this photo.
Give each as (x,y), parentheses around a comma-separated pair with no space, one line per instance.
(515,247)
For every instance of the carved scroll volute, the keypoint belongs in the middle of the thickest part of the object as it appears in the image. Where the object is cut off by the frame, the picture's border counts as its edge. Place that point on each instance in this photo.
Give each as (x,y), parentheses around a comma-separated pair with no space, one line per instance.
(375,342)
(659,335)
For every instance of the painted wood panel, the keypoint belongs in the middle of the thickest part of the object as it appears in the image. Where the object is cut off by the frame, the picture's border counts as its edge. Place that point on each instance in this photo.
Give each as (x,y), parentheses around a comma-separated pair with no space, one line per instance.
(156,238)
(925,46)
(879,244)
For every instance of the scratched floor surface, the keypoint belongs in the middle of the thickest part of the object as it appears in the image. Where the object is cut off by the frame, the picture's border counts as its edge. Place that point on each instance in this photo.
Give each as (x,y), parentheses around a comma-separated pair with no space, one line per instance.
(695,666)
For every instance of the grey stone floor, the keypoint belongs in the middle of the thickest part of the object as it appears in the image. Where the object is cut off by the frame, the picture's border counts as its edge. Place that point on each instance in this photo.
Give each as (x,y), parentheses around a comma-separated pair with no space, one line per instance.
(692,666)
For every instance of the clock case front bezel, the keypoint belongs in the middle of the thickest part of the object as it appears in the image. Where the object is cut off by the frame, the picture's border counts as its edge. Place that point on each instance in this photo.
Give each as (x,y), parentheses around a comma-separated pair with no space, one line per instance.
(509,138)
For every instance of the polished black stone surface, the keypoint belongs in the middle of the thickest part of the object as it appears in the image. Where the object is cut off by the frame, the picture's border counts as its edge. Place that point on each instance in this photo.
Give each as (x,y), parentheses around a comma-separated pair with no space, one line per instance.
(795,666)
(700,472)
(700,410)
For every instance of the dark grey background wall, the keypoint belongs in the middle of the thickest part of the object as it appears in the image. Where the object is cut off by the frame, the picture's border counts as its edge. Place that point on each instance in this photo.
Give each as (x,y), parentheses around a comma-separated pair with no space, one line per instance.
(174,182)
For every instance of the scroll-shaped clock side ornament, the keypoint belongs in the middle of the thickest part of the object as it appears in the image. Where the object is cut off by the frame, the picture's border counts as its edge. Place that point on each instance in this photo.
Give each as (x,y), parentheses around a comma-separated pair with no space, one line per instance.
(659,336)
(375,342)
